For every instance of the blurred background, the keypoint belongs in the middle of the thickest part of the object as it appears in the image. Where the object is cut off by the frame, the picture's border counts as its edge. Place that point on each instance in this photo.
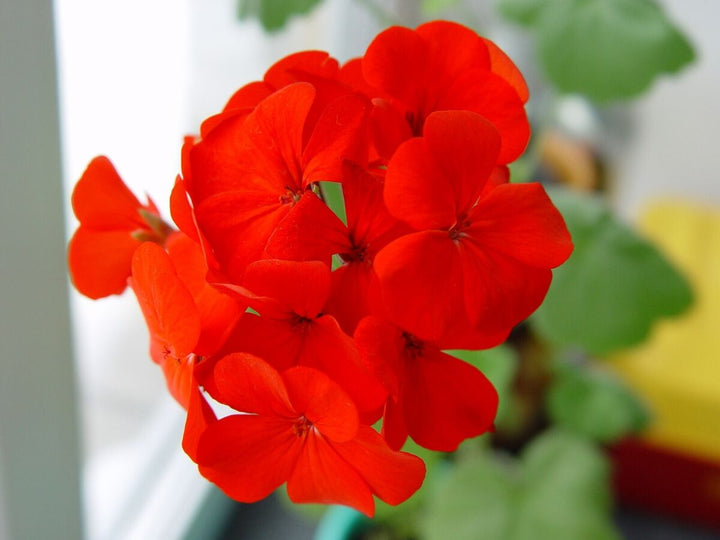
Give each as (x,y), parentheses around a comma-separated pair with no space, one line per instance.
(89,439)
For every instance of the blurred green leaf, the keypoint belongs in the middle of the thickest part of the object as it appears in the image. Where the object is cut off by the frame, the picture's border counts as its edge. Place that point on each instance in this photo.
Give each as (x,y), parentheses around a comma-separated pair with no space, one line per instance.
(594,404)
(476,496)
(557,489)
(431,7)
(274,14)
(614,286)
(499,365)
(524,12)
(567,492)
(607,49)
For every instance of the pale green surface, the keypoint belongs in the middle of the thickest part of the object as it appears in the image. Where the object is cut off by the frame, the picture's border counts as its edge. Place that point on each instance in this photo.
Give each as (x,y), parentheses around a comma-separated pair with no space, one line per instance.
(613,288)
(557,489)
(594,404)
(603,49)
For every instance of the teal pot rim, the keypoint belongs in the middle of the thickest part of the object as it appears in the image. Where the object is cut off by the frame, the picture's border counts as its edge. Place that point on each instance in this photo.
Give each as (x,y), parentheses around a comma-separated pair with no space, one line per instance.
(340,523)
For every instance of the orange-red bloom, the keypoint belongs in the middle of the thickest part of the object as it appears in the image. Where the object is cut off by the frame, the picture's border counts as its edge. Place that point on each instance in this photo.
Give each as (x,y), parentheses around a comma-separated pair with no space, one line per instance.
(186,317)
(291,328)
(435,398)
(479,258)
(113,224)
(248,175)
(301,429)
(443,66)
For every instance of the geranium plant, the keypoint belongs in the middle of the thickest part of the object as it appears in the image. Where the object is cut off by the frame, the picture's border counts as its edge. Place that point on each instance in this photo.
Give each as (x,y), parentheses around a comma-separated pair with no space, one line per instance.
(262,299)
(347,253)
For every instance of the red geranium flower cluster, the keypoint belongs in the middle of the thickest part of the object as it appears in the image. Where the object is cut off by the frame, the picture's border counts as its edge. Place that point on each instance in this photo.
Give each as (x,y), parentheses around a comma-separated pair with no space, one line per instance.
(313,328)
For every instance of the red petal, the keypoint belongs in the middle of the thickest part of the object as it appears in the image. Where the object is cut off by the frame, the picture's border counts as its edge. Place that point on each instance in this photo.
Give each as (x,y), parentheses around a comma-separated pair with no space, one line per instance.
(371,225)
(277,341)
(178,374)
(488,94)
(392,476)
(249,384)
(249,96)
(354,294)
(181,211)
(259,153)
(446,400)
(417,190)
(382,348)
(381,344)
(395,62)
(237,225)
(301,286)
(199,417)
(329,349)
(465,147)
(421,277)
(272,144)
(248,456)
(323,402)
(341,133)
(211,165)
(501,64)
(310,231)
(322,476)
(500,292)
(500,175)
(287,70)
(168,307)
(463,334)
(218,312)
(521,221)
(453,48)
(99,262)
(389,128)
(394,429)
(351,75)
(102,201)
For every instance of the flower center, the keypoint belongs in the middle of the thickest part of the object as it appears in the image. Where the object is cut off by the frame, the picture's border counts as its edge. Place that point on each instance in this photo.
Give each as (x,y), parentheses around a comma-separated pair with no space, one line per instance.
(356,254)
(456,231)
(302,426)
(290,196)
(413,345)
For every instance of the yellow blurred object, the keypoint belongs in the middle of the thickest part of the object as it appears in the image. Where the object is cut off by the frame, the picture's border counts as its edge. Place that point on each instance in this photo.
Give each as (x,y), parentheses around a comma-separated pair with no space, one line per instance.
(677,370)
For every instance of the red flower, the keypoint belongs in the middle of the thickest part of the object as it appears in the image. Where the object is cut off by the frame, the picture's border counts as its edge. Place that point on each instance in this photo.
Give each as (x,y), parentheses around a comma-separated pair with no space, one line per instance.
(443,66)
(302,429)
(248,175)
(186,317)
(292,330)
(481,256)
(435,398)
(355,290)
(315,67)
(113,224)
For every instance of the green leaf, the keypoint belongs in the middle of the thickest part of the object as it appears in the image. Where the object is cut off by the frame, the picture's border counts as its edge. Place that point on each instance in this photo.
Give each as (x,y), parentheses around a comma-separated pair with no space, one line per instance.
(274,14)
(613,288)
(566,490)
(594,404)
(559,488)
(524,12)
(475,496)
(608,49)
(499,365)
